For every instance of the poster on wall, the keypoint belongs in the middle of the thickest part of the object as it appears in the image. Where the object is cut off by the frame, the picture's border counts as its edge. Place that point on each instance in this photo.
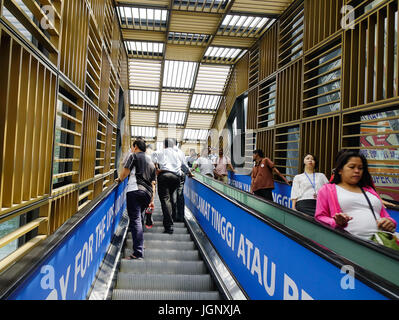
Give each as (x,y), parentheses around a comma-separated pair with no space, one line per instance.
(379,144)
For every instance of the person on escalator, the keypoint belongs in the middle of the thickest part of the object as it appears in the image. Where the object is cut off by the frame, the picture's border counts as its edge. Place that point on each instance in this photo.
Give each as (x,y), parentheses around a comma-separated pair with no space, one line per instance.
(344,203)
(262,182)
(306,186)
(140,192)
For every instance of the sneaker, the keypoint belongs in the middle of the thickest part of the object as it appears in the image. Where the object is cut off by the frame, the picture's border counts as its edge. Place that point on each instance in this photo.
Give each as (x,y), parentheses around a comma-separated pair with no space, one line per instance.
(132,257)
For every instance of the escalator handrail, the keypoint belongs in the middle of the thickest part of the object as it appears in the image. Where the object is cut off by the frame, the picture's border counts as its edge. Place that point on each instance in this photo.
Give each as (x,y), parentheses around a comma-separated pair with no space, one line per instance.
(15,275)
(368,277)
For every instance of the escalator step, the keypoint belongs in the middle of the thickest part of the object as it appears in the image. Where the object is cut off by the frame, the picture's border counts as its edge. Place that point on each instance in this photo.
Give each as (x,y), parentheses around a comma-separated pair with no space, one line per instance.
(160,229)
(163,267)
(164,282)
(123,294)
(165,244)
(164,236)
(167,255)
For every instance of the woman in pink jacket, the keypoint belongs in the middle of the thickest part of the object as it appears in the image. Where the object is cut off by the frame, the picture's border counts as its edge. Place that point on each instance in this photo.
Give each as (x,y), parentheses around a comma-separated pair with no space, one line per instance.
(342,203)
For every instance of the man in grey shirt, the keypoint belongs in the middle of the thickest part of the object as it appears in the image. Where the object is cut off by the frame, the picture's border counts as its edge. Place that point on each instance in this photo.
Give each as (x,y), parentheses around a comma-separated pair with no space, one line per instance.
(140,192)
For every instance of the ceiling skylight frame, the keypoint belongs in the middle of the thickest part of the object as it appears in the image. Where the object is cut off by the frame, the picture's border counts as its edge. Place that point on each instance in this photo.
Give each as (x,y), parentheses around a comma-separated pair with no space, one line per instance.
(144,49)
(212,79)
(205,103)
(244,25)
(145,74)
(215,6)
(195,135)
(179,75)
(143,18)
(172,118)
(142,99)
(188,38)
(223,54)
(149,133)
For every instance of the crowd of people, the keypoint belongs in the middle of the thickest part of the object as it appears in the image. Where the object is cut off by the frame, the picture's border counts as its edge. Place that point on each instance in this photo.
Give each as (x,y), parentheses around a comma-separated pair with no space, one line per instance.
(164,170)
(348,201)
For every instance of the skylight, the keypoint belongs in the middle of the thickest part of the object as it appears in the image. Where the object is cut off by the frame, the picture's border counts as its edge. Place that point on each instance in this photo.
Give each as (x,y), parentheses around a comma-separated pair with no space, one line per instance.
(145,74)
(143,18)
(244,25)
(146,49)
(195,135)
(140,98)
(144,132)
(188,38)
(212,79)
(203,102)
(179,74)
(219,54)
(172,118)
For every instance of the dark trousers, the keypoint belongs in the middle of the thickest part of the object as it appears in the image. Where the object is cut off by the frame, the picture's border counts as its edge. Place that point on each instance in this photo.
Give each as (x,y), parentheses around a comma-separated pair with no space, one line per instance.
(307,206)
(167,185)
(265,193)
(137,201)
(178,213)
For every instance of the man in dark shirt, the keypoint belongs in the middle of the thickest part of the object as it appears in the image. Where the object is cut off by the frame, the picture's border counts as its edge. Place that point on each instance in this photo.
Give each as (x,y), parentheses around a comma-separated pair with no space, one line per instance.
(262,182)
(140,192)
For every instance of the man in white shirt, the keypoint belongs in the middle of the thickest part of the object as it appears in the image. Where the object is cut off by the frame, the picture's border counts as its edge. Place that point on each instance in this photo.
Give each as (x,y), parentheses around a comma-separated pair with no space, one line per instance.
(178,214)
(169,171)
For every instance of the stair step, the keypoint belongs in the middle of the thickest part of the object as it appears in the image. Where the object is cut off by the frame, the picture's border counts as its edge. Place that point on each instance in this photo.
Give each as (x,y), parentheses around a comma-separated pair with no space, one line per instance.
(164,282)
(160,229)
(166,237)
(167,254)
(125,294)
(163,267)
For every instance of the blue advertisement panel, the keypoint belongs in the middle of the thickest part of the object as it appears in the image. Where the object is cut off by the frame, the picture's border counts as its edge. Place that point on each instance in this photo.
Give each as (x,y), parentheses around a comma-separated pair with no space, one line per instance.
(281,192)
(67,274)
(267,263)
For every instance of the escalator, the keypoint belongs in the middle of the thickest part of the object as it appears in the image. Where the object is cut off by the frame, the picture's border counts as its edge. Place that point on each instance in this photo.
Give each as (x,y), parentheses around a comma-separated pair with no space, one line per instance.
(172,268)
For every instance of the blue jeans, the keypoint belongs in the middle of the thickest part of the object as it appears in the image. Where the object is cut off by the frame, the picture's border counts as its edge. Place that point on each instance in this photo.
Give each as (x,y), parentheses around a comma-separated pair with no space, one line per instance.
(137,201)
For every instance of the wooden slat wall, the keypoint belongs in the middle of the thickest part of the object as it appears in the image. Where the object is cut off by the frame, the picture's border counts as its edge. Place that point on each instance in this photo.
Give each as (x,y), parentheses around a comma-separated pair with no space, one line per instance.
(289,87)
(45,42)
(314,135)
(252,115)
(268,52)
(49,110)
(337,81)
(265,141)
(73,46)
(322,19)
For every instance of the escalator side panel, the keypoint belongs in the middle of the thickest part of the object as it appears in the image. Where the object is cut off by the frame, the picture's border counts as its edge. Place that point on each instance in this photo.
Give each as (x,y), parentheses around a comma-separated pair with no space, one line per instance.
(268,263)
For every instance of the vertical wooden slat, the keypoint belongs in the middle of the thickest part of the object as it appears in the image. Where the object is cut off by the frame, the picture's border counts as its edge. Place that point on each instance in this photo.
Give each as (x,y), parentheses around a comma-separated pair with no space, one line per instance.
(389,56)
(362,64)
(11,125)
(370,59)
(5,66)
(380,57)
(21,126)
